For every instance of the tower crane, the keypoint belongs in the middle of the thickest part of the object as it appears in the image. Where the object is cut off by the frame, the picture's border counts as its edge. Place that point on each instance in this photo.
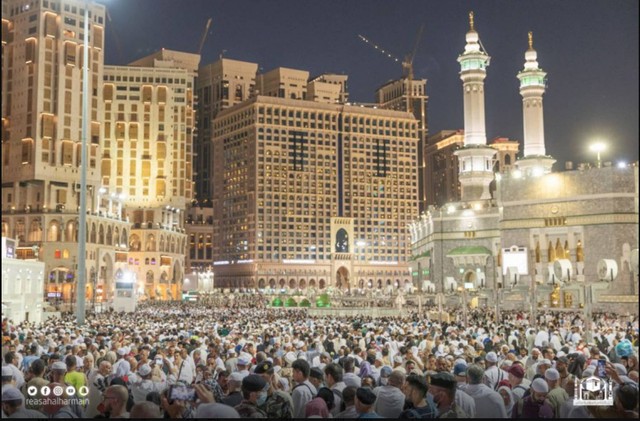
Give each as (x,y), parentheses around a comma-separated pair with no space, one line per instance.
(204,35)
(407,63)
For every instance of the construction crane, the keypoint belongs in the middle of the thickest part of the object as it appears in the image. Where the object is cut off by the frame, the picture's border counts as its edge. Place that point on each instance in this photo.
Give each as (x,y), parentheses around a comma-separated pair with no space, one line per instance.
(204,35)
(407,63)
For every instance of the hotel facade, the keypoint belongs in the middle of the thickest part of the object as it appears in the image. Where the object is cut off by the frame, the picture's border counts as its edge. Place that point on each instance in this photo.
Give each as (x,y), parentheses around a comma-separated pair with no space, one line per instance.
(312,195)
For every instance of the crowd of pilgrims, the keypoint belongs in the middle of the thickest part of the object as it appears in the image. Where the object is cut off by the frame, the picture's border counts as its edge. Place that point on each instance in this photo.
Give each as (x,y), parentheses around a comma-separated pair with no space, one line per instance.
(186,360)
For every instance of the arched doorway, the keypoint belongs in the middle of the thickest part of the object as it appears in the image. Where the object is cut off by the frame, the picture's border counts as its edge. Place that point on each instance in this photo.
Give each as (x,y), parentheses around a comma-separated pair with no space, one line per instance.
(322,284)
(272,283)
(302,284)
(342,278)
(470,277)
(261,283)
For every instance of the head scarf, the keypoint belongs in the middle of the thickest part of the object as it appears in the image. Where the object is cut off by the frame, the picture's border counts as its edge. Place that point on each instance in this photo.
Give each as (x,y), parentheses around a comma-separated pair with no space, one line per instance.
(509,407)
(317,407)
(365,370)
(123,368)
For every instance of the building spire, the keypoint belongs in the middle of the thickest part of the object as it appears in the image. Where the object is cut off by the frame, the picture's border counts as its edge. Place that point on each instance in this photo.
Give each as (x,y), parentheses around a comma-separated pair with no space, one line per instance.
(475,158)
(533,81)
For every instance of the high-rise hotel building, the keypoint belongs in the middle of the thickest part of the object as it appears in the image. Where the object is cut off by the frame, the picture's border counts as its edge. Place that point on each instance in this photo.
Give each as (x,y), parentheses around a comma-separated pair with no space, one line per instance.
(406,94)
(311,194)
(147,158)
(42,59)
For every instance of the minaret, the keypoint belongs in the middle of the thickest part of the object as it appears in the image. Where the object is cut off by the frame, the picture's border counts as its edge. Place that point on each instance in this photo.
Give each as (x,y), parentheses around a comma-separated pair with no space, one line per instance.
(475,159)
(532,86)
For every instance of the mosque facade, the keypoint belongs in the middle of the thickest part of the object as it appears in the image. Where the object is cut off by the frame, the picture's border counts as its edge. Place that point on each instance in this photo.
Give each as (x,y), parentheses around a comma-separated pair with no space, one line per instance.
(541,240)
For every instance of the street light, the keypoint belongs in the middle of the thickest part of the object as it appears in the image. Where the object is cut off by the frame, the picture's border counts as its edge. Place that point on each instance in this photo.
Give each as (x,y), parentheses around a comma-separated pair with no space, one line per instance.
(597,148)
(82,232)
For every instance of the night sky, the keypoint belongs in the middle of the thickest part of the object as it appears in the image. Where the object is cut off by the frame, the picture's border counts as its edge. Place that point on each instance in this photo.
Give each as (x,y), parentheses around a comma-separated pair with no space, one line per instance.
(588,47)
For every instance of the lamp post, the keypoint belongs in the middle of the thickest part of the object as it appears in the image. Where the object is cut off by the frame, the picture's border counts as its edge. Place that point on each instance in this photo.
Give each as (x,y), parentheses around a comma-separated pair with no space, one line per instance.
(597,148)
(84,167)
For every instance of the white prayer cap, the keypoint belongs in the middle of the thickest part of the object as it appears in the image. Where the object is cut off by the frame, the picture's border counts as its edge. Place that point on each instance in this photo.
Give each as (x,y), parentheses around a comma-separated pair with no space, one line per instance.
(540,386)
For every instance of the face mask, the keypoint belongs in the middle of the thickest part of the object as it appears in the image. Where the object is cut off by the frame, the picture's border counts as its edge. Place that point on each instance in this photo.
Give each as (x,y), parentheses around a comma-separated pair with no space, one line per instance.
(262,398)
(384,381)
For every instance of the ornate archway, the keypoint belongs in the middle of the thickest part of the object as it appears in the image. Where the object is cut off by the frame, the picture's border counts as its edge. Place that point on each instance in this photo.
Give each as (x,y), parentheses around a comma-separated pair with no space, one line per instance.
(342,278)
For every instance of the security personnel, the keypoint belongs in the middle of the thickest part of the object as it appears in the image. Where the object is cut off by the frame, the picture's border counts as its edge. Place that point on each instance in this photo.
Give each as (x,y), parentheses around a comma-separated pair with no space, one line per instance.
(279,403)
(254,393)
(443,387)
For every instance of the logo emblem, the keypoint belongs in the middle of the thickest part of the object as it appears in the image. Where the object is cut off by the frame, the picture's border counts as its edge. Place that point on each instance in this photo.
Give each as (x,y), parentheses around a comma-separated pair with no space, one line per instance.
(593,391)
(83,391)
(45,390)
(32,390)
(71,390)
(58,390)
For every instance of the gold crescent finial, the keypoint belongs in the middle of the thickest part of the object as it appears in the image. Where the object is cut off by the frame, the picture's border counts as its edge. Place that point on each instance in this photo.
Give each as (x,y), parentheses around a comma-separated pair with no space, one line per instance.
(471,20)
(530,40)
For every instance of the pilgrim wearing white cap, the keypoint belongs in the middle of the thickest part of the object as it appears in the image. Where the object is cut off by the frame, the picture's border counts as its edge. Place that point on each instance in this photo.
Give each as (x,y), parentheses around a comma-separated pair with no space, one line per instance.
(145,385)
(535,405)
(557,395)
(493,375)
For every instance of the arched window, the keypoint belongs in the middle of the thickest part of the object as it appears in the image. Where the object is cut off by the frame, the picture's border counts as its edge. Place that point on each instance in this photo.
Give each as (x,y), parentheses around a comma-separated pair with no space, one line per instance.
(124,238)
(70,234)
(151,242)
(342,241)
(19,230)
(134,243)
(35,231)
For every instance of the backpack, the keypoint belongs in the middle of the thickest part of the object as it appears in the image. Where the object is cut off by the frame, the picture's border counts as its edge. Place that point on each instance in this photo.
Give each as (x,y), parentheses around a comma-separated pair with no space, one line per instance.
(313,395)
